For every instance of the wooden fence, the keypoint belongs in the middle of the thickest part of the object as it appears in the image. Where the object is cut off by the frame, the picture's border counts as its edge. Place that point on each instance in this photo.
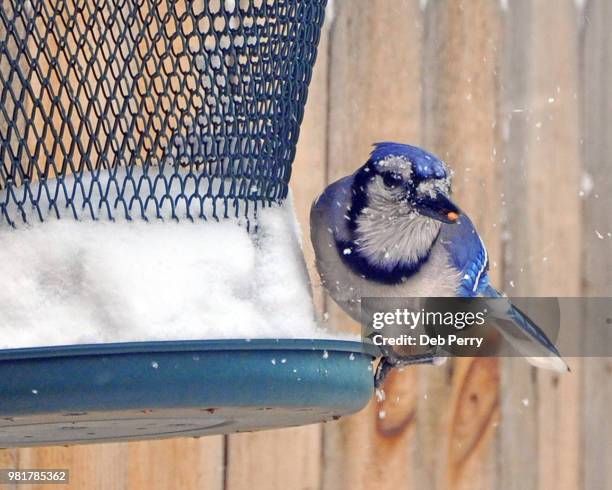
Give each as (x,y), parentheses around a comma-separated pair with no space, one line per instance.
(517,96)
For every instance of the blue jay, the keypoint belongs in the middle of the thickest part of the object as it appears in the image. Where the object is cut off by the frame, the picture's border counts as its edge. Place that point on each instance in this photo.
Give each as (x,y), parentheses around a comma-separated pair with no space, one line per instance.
(391,230)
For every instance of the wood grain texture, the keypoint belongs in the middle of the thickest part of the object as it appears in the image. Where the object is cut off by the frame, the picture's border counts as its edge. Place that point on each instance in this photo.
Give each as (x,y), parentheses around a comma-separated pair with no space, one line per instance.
(309,168)
(596,102)
(540,128)
(176,463)
(96,466)
(166,464)
(461,53)
(8,459)
(375,95)
(279,459)
(518,435)
(475,402)
(553,169)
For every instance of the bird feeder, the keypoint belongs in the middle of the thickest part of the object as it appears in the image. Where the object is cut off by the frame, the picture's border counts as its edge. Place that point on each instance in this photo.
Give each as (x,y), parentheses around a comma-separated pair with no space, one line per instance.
(159,111)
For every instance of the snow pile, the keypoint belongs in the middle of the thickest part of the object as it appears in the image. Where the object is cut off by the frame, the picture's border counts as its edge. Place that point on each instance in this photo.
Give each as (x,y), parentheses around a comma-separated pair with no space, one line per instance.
(68,282)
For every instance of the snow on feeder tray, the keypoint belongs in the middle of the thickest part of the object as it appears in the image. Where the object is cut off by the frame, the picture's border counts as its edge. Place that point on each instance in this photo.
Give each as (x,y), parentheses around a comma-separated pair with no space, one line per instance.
(145,156)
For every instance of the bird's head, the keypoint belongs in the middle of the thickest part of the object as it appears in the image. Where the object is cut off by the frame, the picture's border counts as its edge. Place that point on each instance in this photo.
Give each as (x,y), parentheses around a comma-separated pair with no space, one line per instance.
(407,181)
(399,200)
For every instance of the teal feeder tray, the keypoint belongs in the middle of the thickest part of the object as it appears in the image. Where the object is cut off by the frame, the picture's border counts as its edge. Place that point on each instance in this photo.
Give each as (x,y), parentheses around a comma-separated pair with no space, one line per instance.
(159,110)
(147,390)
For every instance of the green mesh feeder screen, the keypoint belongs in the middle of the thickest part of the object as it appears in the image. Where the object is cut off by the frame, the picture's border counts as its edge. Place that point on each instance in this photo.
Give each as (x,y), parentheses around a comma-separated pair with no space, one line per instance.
(149,108)
(158,111)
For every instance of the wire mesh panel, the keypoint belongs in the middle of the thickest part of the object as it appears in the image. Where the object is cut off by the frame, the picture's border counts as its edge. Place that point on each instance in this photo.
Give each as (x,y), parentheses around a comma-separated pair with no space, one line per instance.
(150,108)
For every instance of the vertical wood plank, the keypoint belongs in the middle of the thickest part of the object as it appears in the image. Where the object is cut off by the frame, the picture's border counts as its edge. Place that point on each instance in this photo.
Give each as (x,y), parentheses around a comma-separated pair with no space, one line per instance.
(518,436)
(187,463)
(278,459)
(8,460)
(461,53)
(553,171)
(375,95)
(596,63)
(165,464)
(309,167)
(95,467)
(473,417)
(542,162)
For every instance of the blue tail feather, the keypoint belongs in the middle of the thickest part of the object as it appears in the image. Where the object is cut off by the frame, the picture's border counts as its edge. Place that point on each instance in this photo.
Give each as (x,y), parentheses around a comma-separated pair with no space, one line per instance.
(523,321)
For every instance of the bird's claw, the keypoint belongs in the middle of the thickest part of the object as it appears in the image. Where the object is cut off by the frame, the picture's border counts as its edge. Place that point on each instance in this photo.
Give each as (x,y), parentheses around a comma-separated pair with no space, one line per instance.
(386,364)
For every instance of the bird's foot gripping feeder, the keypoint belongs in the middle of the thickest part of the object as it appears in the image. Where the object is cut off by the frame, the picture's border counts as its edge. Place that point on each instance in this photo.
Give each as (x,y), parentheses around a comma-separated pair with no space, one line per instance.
(131,127)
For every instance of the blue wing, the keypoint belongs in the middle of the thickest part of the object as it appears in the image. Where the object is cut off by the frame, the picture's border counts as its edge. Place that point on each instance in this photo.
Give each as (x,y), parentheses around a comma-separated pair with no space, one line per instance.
(468,254)
(334,204)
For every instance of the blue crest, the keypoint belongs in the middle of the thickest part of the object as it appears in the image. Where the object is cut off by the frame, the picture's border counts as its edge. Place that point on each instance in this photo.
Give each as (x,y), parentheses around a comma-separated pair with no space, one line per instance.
(425,165)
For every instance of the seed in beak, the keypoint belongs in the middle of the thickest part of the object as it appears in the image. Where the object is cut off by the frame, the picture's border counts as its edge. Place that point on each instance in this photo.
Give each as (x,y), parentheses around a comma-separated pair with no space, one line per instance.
(452,216)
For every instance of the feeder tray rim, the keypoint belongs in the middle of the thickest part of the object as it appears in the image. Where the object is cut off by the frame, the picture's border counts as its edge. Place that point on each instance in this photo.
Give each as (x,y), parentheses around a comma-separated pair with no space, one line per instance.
(147,347)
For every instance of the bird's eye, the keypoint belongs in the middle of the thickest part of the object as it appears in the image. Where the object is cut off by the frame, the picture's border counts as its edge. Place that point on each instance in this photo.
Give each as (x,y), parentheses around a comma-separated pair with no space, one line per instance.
(392,180)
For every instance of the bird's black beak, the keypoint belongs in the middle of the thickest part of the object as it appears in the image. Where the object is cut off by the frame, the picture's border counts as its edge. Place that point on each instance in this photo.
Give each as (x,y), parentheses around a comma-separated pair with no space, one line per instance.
(438,207)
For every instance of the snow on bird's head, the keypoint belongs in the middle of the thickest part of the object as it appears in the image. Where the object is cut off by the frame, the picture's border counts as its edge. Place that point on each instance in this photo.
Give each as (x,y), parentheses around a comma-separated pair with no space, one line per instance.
(396,176)
(421,164)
